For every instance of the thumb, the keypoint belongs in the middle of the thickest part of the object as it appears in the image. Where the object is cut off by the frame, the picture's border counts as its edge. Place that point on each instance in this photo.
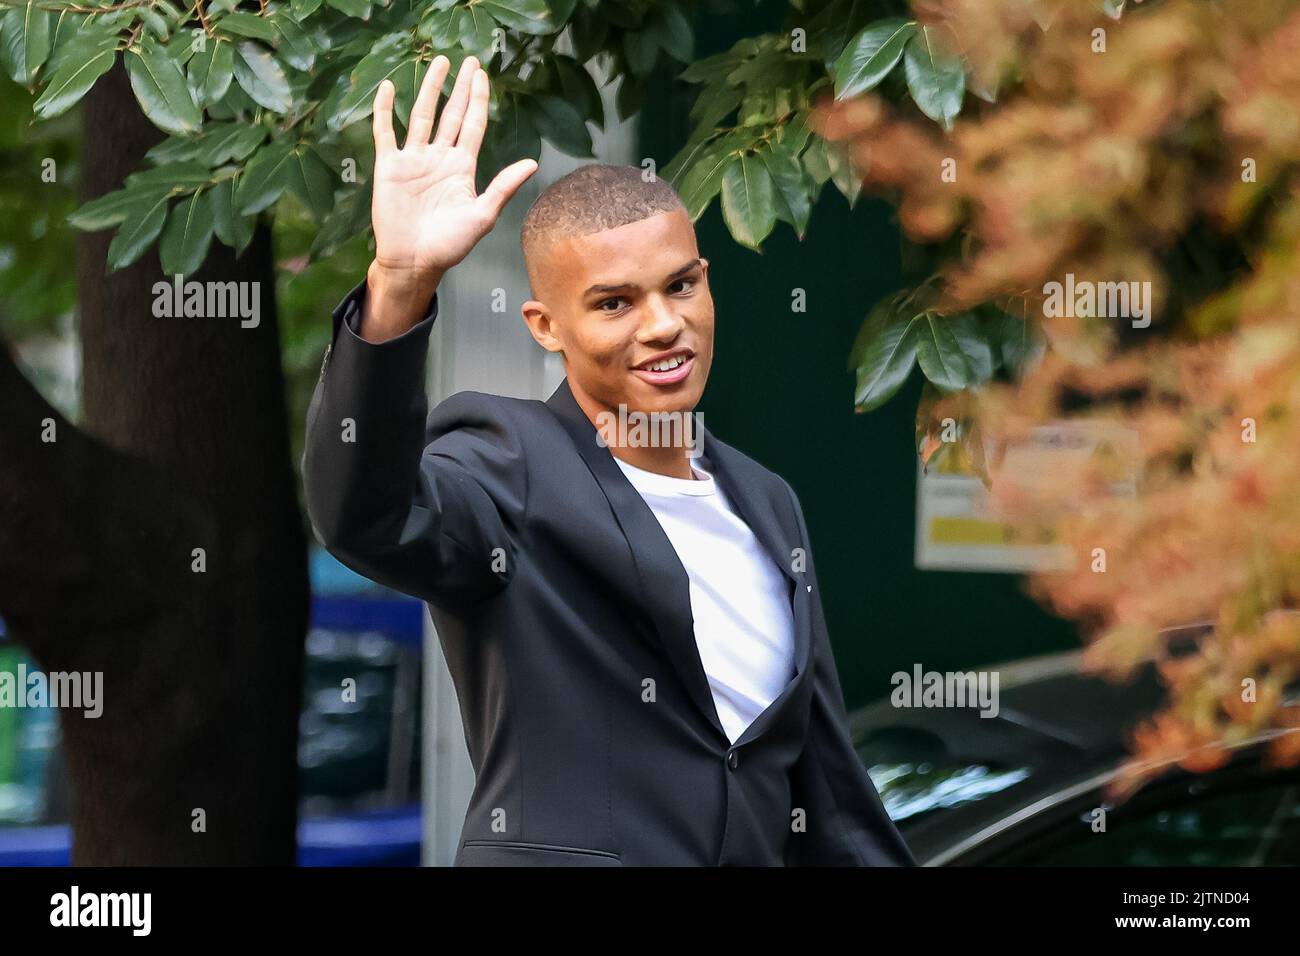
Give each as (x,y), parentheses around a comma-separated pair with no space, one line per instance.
(503,186)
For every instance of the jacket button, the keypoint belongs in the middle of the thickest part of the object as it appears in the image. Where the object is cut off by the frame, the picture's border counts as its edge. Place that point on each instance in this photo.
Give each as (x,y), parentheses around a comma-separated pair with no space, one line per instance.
(733,759)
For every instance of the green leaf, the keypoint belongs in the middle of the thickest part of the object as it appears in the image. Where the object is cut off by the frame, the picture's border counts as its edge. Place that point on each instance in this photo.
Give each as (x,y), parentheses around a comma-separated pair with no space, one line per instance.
(234,102)
(188,235)
(210,71)
(350,218)
(265,177)
(560,125)
(559,12)
(230,141)
(748,201)
(642,52)
(940,354)
(975,346)
(113,208)
(712,106)
(671,30)
(475,26)
(587,31)
(871,55)
(231,226)
(25,34)
(1017,342)
(935,79)
(68,28)
(353,8)
(71,83)
(297,48)
(75,44)
(380,64)
(704,179)
(713,67)
(312,181)
(883,354)
(442,29)
(248,25)
(793,197)
(138,231)
(175,149)
(627,100)
(407,80)
(846,179)
(182,46)
(817,161)
(580,89)
(159,28)
(302,9)
(159,86)
(183,174)
(260,76)
(527,16)
(514,136)
(794,133)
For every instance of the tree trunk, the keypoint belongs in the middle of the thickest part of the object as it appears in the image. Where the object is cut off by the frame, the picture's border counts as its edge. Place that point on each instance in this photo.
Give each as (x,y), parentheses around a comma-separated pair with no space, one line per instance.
(186,447)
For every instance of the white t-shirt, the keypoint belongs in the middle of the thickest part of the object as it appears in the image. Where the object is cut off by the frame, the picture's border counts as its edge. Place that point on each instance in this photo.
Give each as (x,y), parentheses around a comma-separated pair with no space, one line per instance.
(744,624)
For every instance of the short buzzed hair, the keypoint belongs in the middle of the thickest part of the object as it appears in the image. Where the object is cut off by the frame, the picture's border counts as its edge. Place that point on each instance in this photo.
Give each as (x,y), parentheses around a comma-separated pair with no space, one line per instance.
(592,198)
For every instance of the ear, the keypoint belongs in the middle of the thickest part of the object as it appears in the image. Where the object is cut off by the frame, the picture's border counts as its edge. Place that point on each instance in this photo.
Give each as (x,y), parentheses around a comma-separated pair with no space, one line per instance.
(538,319)
(704,266)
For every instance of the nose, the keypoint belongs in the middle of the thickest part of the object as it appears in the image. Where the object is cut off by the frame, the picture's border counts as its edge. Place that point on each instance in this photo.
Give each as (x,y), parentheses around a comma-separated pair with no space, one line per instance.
(661,322)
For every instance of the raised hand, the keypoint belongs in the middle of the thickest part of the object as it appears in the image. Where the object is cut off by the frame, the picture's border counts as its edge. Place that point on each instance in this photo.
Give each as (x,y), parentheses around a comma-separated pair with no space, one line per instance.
(426,213)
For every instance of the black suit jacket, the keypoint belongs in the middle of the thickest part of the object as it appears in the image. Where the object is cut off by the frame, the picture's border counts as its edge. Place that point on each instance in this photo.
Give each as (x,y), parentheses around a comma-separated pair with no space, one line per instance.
(565,617)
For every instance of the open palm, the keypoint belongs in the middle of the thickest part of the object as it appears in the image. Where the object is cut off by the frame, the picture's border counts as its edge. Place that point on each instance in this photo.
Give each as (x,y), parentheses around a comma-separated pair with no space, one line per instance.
(426,213)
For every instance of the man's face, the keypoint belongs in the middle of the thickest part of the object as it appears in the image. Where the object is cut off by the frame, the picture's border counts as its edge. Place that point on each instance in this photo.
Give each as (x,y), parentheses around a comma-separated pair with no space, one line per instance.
(631,312)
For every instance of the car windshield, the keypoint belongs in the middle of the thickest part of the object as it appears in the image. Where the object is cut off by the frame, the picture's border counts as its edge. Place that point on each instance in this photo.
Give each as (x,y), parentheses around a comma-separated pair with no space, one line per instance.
(911,789)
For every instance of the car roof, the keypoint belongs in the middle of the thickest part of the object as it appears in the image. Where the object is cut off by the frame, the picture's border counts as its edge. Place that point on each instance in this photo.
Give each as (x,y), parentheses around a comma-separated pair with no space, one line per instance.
(947,773)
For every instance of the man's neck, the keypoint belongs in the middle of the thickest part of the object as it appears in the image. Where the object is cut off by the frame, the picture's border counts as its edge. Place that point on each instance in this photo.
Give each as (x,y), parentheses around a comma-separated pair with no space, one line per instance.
(663,458)
(672,462)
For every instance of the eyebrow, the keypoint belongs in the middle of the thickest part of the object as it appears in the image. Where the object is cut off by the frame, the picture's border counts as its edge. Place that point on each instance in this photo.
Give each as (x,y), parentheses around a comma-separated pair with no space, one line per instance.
(627,286)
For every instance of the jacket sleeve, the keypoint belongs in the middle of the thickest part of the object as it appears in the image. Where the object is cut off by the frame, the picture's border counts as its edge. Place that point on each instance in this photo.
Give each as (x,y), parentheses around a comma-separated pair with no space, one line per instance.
(427,504)
(846,823)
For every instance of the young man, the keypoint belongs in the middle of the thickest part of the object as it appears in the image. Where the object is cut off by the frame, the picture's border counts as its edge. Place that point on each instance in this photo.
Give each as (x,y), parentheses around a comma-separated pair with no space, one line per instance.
(637,642)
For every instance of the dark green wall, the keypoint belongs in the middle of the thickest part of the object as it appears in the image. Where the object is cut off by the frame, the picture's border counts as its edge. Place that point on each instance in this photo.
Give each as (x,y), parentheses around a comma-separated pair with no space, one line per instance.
(778,391)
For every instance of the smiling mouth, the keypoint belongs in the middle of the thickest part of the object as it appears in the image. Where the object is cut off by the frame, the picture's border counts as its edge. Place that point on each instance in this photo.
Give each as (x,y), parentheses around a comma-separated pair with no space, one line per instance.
(666,371)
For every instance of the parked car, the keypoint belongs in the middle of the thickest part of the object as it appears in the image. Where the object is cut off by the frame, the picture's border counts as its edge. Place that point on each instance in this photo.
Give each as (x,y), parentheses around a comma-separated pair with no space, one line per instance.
(1023,787)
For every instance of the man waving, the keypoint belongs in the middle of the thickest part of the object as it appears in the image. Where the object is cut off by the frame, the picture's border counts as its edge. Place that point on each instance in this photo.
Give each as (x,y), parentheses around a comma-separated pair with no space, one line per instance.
(633,626)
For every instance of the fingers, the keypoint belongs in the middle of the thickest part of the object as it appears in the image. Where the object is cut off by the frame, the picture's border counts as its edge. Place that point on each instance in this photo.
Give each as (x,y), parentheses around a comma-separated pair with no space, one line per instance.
(503,186)
(454,111)
(382,118)
(426,102)
(475,123)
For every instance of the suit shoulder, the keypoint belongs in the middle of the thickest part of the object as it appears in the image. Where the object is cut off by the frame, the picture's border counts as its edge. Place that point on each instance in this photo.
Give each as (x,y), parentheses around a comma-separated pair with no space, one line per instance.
(468,403)
(752,471)
(521,418)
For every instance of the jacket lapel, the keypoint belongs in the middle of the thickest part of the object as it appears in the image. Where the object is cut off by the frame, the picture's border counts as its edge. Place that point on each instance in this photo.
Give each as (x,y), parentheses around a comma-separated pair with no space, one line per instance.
(735,474)
(666,595)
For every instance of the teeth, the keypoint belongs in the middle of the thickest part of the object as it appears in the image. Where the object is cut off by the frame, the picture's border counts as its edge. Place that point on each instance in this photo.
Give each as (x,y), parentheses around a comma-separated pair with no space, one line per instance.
(668,364)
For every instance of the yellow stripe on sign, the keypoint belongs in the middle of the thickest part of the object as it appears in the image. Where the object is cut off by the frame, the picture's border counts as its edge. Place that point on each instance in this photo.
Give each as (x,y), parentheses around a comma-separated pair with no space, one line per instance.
(968,531)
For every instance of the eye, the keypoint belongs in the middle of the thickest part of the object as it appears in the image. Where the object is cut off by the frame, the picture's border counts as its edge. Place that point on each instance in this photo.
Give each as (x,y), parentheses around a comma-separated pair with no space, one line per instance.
(689,283)
(600,306)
